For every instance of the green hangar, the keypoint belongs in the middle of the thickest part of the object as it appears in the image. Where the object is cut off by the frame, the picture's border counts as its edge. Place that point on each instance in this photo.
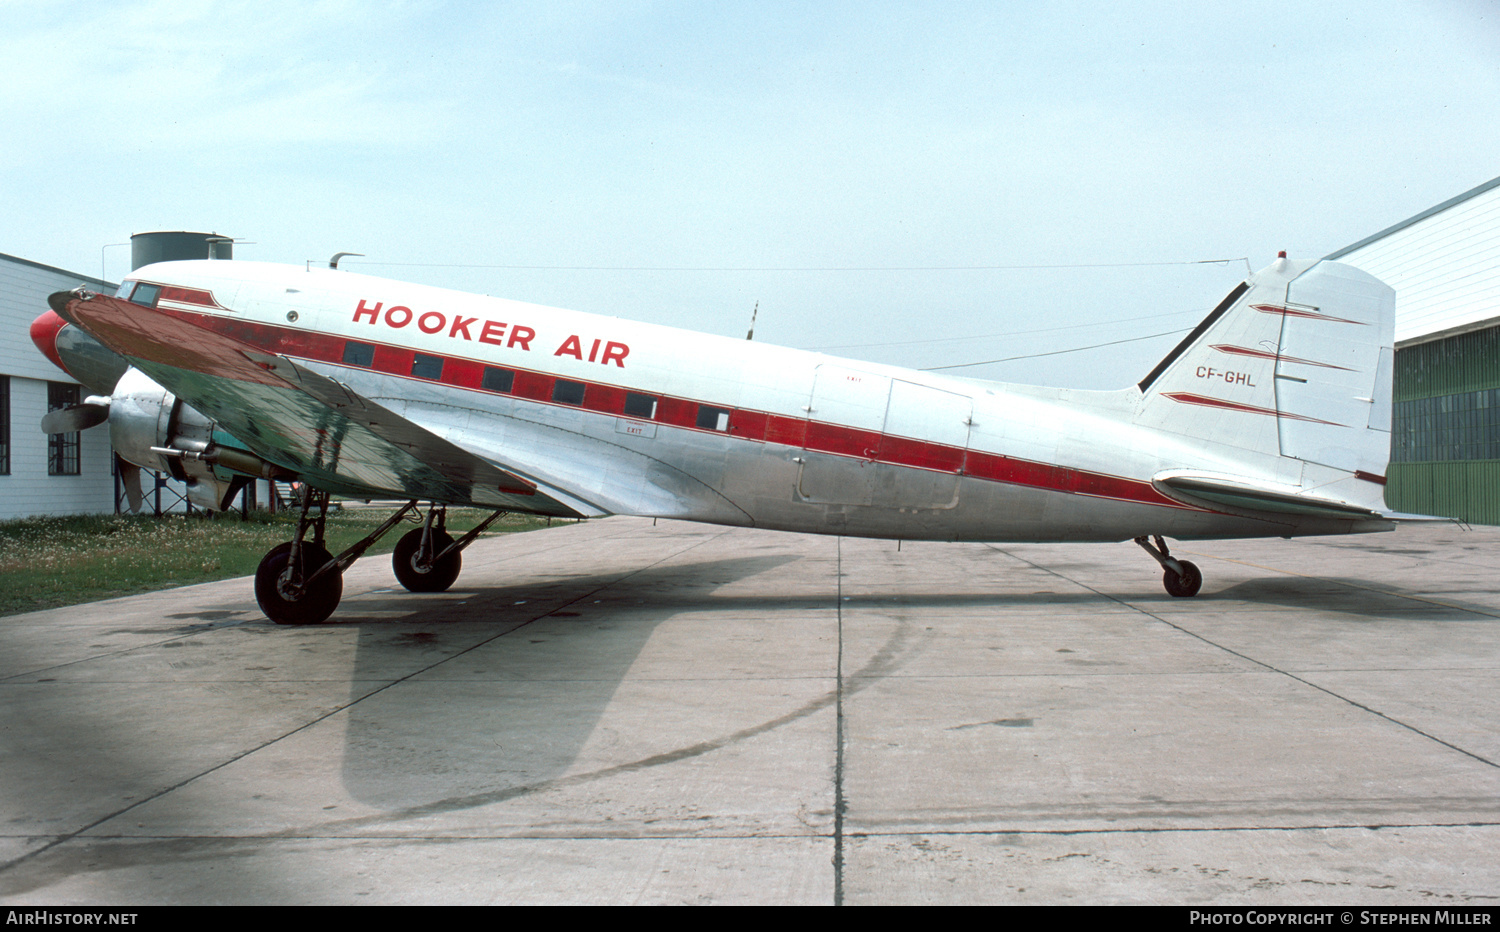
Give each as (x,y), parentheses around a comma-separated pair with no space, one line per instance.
(1445,433)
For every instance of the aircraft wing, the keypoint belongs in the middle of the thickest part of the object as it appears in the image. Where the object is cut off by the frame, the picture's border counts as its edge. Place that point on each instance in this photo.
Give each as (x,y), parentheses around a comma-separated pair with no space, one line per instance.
(301,421)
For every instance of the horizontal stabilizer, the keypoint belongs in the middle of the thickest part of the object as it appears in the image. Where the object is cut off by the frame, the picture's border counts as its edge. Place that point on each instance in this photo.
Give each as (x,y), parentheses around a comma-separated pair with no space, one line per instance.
(1244,497)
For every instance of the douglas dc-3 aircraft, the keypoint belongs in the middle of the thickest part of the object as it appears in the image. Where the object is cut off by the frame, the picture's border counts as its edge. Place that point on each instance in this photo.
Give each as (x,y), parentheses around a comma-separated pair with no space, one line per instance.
(1271,419)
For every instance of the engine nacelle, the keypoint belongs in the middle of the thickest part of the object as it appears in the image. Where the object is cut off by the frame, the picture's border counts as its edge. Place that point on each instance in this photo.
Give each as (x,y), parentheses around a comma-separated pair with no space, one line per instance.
(152,428)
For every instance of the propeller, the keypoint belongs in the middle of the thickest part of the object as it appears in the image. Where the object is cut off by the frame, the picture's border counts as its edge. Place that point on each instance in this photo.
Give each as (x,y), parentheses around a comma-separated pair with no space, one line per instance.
(149,428)
(92,412)
(130,478)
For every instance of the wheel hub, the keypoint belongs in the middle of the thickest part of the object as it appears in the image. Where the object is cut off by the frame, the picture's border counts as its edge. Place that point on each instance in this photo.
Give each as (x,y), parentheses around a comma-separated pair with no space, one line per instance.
(286,588)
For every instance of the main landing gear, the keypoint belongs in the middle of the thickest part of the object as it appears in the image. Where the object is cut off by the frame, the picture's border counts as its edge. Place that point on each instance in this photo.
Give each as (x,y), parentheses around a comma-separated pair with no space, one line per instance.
(427,559)
(300,583)
(1181,578)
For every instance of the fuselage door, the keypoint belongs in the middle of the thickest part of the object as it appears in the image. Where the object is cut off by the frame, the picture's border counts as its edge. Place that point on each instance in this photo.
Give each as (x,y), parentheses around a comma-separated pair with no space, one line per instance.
(927,431)
(845,418)
(874,440)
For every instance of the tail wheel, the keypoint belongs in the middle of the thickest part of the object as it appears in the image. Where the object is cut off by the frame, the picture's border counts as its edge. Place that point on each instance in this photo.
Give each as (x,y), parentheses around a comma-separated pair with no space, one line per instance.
(1186,585)
(287,606)
(436,577)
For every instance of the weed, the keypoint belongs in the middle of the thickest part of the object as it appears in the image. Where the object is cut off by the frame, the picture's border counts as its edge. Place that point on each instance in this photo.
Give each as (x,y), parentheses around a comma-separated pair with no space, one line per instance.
(51,561)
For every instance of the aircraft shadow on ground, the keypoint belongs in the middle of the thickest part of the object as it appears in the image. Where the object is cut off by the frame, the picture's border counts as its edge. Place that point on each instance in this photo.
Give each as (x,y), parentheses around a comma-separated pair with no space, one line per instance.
(521,675)
(1359,599)
(543,659)
(516,722)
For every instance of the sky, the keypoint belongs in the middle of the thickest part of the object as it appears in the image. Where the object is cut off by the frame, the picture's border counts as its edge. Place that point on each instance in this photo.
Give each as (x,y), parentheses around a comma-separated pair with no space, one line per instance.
(923,184)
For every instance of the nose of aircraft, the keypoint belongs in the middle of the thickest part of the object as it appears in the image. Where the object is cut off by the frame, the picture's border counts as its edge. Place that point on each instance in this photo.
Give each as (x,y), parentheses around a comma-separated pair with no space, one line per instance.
(44,334)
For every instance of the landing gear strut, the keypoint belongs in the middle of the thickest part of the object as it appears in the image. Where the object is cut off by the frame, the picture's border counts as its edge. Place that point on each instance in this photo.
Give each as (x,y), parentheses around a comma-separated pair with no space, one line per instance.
(294,590)
(300,583)
(297,583)
(429,559)
(1181,578)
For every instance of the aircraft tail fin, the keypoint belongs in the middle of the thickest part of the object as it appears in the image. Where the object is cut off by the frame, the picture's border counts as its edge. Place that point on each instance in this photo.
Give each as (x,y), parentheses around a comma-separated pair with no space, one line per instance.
(1295,363)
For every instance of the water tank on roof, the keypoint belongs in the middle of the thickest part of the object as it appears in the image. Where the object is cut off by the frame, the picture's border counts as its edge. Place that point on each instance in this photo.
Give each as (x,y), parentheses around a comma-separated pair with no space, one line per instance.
(168,246)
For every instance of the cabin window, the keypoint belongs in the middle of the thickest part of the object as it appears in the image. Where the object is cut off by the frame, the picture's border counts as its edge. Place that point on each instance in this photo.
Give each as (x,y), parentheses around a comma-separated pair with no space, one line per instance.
(62,449)
(359,354)
(569,393)
(424,366)
(146,294)
(497,379)
(124,290)
(711,418)
(638,405)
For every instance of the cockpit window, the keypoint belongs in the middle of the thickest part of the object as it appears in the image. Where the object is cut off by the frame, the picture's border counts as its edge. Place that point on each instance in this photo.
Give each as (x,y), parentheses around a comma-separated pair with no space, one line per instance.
(146,294)
(124,290)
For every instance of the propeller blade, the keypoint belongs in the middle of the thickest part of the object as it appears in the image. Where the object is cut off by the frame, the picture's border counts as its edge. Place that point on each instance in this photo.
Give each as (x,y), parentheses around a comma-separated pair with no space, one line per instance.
(75,418)
(130,477)
(236,485)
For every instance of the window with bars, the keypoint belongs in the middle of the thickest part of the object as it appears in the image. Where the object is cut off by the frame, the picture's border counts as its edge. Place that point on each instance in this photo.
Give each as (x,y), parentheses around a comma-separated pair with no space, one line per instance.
(63,450)
(1462,426)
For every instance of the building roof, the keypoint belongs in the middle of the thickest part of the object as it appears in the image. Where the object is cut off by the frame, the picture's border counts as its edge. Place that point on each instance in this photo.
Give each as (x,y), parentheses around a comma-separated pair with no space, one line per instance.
(1444,264)
(6,257)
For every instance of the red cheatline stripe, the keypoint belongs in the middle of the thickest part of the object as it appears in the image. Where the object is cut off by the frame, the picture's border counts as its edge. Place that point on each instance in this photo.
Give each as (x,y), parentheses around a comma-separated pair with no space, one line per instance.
(1188,398)
(746,424)
(1299,312)
(1262,354)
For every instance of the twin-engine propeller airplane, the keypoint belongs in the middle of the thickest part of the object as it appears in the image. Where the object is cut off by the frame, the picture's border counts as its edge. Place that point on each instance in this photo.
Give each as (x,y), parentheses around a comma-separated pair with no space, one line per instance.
(1271,419)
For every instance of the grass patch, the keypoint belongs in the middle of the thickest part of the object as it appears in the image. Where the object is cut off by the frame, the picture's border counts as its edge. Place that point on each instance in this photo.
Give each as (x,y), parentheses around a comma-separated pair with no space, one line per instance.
(48,562)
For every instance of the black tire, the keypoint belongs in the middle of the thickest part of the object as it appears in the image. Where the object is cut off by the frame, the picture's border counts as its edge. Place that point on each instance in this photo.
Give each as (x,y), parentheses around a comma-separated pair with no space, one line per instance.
(315,605)
(1185,586)
(436,578)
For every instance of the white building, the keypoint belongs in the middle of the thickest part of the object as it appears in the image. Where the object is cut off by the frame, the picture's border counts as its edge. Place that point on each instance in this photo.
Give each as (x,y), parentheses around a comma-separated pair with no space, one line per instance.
(1444,264)
(66,474)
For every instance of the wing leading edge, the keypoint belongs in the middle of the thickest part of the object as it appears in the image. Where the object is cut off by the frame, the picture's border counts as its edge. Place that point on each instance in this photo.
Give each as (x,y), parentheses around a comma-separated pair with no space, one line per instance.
(302,421)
